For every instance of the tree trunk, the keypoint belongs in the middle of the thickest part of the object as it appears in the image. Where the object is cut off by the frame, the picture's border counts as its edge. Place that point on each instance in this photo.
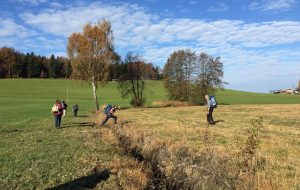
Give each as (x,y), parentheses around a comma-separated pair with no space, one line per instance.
(95,95)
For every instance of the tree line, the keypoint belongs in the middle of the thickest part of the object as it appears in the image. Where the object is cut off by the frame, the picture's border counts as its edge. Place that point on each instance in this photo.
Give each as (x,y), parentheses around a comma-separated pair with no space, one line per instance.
(14,64)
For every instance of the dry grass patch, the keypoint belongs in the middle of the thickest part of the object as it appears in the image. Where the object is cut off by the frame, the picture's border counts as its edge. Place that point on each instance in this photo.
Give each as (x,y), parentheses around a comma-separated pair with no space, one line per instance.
(168,103)
(186,126)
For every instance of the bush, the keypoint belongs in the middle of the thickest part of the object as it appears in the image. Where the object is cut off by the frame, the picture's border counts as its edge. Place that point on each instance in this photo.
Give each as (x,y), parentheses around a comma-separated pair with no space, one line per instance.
(138,102)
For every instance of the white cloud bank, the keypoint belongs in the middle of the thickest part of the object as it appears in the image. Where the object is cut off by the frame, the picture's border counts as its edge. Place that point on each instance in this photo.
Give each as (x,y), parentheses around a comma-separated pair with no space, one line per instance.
(249,51)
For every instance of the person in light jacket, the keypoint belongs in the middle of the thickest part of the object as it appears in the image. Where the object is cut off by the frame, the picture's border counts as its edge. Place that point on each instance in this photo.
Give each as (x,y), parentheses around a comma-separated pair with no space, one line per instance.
(57,111)
(210,110)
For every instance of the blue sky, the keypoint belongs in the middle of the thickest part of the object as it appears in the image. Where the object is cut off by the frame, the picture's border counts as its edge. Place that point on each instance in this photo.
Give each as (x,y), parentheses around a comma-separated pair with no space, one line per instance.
(258,40)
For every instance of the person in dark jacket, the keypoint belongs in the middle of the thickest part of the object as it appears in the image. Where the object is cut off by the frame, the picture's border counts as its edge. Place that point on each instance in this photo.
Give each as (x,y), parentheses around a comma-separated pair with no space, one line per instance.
(75,110)
(110,114)
(65,106)
(57,111)
(210,110)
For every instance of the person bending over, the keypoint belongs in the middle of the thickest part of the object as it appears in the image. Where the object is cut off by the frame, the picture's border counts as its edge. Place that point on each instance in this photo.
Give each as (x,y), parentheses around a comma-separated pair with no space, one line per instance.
(109,112)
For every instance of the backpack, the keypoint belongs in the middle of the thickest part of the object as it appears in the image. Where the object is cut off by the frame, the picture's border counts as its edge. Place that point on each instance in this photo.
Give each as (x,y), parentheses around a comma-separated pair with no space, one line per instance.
(54,108)
(107,109)
(65,106)
(213,101)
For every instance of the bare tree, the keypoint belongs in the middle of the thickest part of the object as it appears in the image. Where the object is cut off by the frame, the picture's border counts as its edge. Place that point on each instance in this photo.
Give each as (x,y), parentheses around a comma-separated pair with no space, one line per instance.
(133,83)
(179,74)
(90,53)
(188,77)
(210,73)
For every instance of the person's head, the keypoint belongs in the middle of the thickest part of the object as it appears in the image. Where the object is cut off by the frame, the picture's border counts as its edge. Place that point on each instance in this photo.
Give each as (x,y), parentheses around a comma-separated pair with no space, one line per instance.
(206,97)
(58,101)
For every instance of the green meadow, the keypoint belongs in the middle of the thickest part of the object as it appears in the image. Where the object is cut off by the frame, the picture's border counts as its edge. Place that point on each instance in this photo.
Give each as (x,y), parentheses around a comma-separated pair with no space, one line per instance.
(35,155)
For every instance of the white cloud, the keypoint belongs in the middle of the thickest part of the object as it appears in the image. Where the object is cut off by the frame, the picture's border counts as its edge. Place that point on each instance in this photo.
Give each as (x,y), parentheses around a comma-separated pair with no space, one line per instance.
(56,5)
(8,27)
(272,5)
(133,26)
(220,7)
(34,2)
(193,2)
(245,48)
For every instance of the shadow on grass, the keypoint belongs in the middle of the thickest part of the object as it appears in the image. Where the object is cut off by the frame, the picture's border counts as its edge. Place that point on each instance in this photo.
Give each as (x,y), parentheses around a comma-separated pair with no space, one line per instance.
(83,116)
(220,120)
(10,131)
(224,104)
(85,182)
(79,124)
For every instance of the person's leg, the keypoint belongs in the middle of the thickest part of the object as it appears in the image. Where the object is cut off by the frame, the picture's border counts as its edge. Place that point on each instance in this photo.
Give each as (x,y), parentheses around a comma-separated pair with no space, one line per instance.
(114,117)
(208,118)
(75,113)
(210,115)
(56,121)
(59,121)
(105,120)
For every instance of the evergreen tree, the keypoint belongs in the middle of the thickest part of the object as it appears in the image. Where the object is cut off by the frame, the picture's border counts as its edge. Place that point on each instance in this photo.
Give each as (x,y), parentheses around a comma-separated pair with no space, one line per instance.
(21,66)
(34,66)
(44,67)
(51,69)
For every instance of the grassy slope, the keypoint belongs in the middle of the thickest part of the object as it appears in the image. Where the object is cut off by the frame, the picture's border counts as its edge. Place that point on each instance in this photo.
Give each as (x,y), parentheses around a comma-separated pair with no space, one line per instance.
(39,94)
(34,154)
(237,97)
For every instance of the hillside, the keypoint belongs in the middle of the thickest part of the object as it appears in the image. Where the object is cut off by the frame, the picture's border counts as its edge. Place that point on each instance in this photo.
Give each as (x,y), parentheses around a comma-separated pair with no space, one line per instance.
(233,97)
(35,155)
(45,92)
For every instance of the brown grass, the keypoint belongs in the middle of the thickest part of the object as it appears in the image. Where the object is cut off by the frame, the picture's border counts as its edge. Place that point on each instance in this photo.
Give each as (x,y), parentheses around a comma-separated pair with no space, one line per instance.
(169,103)
(171,135)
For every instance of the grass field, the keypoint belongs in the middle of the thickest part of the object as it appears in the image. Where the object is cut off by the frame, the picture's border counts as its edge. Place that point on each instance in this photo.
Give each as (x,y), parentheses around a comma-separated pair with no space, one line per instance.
(186,126)
(34,155)
(232,97)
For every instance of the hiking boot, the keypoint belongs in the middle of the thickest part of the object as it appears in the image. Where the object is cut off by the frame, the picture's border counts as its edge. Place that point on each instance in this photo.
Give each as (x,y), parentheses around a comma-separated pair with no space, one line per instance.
(213,123)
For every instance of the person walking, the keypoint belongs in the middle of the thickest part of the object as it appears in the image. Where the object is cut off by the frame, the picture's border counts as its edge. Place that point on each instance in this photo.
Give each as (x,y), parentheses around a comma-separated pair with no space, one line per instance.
(211,104)
(57,111)
(75,110)
(109,112)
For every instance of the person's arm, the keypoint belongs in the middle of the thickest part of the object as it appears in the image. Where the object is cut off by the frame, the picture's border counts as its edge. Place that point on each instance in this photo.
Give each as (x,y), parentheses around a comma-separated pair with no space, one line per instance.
(208,105)
(112,110)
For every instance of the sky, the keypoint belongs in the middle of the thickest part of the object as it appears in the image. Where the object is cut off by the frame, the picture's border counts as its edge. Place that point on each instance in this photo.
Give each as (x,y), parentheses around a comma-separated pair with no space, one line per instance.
(258,40)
